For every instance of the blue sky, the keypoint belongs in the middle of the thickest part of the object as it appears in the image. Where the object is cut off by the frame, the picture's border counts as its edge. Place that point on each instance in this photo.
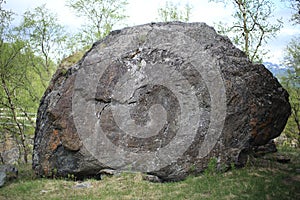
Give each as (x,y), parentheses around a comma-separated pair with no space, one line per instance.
(145,11)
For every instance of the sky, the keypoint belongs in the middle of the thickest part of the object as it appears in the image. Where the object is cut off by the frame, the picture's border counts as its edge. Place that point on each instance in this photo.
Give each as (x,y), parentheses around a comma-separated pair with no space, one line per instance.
(145,11)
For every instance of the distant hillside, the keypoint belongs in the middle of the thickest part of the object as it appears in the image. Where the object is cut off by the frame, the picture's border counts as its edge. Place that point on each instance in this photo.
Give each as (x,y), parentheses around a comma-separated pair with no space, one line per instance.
(278,70)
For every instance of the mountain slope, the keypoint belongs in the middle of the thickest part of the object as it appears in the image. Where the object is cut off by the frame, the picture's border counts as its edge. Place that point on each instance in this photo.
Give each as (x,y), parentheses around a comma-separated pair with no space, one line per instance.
(278,70)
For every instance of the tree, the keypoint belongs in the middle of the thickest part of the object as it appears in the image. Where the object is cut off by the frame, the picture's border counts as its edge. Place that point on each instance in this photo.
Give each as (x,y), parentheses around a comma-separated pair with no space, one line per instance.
(45,38)
(252,26)
(27,54)
(11,79)
(292,84)
(15,94)
(5,18)
(295,5)
(100,18)
(173,12)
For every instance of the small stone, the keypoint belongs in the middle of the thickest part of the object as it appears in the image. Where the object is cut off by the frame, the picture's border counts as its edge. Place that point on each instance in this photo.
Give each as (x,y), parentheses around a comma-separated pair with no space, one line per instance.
(107,173)
(110,172)
(152,178)
(270,147)
(83,185)
(282,159)
(44,191)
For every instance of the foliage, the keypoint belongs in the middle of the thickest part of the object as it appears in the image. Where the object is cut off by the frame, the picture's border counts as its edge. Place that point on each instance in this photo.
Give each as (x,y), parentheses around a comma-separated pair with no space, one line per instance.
(26,65)
(71,60)
(266,180)
(252,27)
(5,18)
(45,38)
(100,17)
(295,5)
(11,79)
(173,12)
(15,94)
(292,85)
(211,167)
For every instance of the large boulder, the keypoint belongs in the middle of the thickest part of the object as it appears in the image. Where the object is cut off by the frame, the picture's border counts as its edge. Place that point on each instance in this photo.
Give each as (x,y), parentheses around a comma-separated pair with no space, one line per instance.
(160,98)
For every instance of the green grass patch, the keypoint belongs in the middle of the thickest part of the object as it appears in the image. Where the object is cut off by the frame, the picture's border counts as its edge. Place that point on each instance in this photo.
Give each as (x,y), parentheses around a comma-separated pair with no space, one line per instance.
(260,179)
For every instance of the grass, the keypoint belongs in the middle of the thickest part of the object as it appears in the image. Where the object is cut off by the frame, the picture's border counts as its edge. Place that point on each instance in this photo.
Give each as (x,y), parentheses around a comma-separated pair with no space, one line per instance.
(260,179)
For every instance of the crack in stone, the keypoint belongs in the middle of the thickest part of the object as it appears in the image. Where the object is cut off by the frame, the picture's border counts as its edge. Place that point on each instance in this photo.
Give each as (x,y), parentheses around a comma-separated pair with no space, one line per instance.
(99,113)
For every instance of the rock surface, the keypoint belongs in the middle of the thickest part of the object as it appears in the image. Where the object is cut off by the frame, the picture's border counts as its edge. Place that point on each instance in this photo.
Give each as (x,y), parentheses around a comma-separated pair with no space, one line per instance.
(9,152)
(7,173)
(270,147)
(160,98)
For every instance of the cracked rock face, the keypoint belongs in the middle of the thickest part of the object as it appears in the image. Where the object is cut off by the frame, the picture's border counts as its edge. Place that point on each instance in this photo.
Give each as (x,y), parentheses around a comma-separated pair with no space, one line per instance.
(162,99)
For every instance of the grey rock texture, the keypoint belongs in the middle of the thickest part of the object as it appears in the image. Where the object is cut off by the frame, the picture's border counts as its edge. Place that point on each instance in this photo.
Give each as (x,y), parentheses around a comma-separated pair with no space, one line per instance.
(7,173)
(160,98)
(2,178)
(9,152)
